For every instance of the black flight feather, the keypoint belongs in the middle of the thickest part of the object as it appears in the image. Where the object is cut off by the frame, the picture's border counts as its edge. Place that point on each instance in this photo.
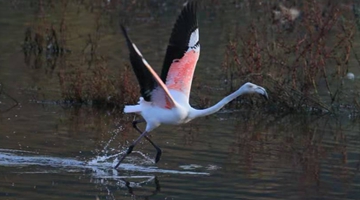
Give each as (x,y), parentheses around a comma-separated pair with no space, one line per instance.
(145,78)
(185,24)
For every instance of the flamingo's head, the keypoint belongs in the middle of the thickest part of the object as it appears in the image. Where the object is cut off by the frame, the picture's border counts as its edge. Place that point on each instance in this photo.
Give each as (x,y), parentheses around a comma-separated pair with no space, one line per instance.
(253,88)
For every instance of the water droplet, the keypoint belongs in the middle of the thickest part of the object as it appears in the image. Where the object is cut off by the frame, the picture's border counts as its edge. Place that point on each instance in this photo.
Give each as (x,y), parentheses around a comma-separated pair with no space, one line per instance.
(350,76)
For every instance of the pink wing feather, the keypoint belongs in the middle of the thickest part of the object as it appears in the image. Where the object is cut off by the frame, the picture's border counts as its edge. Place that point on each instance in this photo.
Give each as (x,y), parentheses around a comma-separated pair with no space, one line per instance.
(183,52)
(179,64)
(152,87)
(181,72)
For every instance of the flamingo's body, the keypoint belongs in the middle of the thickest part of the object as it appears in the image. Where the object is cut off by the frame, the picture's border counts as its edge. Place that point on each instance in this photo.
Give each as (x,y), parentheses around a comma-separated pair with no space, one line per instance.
(165,99)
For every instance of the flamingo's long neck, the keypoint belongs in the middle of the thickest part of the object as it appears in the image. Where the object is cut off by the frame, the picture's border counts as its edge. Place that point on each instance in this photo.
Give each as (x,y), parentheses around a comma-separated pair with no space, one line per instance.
(213,109)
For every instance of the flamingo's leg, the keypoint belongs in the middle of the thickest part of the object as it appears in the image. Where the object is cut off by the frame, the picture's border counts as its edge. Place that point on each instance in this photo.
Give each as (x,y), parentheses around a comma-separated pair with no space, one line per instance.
(158,150)
(131,147)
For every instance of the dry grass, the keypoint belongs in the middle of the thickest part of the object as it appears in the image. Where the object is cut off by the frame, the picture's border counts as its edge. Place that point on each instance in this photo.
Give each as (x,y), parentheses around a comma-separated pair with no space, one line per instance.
(301,60)
(98,85)
(303,67)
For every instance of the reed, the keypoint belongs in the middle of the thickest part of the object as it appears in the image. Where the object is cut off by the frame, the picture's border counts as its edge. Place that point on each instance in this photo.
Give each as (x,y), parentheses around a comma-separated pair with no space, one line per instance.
(304,67)
(98,85)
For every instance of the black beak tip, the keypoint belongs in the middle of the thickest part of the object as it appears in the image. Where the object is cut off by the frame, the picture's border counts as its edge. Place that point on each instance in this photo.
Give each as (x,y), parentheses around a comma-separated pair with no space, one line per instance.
(266,96)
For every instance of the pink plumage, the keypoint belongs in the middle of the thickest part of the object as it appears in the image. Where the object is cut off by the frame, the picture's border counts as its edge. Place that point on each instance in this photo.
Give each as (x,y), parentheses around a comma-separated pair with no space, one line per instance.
(165,99)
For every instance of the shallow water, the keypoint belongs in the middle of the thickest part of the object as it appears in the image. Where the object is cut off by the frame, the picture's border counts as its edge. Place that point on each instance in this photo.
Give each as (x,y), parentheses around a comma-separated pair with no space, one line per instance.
(50,150)
(231,155)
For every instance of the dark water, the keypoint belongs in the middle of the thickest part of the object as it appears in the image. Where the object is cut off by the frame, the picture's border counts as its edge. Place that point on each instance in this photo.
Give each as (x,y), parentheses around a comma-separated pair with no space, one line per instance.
(57,151)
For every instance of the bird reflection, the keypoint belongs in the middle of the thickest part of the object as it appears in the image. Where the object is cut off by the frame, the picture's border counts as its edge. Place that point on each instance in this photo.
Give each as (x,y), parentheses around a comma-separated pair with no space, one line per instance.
(145,196)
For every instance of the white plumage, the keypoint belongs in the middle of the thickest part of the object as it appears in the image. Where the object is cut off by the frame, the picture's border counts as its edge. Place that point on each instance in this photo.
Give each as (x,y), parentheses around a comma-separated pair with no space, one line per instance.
(168,103)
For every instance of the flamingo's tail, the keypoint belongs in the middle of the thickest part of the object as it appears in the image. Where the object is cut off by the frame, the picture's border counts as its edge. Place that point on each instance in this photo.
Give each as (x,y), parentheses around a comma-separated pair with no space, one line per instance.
(132,109)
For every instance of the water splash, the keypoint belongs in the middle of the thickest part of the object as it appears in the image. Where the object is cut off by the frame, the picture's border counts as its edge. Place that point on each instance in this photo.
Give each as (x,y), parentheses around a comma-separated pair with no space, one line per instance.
(99,167)
(25,158)
(195,166)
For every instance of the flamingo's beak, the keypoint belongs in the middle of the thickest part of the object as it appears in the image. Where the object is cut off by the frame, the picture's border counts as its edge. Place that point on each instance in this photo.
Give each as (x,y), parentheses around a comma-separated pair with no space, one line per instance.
(263,92)
(266,96)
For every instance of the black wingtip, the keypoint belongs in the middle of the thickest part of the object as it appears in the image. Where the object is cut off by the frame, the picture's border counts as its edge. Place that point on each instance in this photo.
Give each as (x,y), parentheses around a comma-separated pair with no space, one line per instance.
(128,41)
(146,81)
(185,24)
(266,97)
(123,29)
(191,4)
(190,8)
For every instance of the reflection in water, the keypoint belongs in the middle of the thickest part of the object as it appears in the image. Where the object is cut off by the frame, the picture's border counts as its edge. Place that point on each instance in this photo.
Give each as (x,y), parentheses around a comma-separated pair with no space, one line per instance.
(101,166)
(130,186)
(101,172)
(4,100)
(312,152)
(248,154)
(33,49)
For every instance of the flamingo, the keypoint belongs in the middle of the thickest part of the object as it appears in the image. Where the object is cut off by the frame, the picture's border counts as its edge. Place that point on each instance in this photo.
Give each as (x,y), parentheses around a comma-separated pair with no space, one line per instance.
(165,99)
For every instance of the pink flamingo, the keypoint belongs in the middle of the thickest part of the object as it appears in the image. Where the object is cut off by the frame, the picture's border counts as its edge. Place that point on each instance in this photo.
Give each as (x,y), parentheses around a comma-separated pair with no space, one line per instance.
(165,99)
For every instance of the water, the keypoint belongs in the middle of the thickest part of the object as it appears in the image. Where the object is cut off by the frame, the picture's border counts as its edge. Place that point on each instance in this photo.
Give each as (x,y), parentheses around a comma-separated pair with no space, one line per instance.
(231,155)
(50,150)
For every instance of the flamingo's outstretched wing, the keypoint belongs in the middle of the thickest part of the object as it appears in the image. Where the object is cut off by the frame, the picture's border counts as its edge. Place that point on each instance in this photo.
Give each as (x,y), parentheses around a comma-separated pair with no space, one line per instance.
(182,52)
(152,88)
